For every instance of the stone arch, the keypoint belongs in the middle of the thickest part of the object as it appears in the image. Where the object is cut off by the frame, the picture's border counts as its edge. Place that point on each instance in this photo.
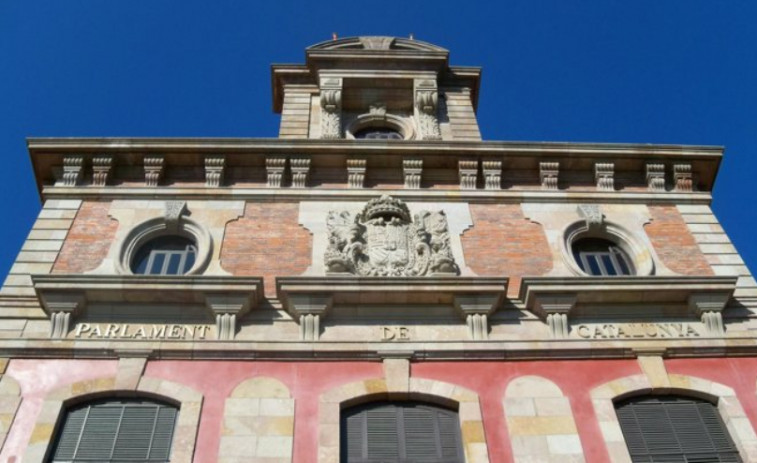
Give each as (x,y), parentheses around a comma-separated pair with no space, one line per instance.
(540,419)
(124,384)
(10,399)
(258,423)
(603,398)
(396,386)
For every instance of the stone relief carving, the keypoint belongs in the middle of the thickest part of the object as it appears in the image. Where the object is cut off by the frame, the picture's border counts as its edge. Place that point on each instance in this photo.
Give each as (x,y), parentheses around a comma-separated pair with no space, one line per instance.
(331,113)
(593,215)
(383,240)
(428,122)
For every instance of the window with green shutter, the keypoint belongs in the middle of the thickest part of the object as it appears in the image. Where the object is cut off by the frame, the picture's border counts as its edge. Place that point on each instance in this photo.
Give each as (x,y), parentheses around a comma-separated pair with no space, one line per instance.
(116,431)
(670,429)
(400,432)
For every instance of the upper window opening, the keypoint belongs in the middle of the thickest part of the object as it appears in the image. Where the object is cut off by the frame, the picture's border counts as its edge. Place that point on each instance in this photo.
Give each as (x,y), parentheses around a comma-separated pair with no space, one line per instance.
(675,429)
(400,432)
(378,133)
(166,255)
(116,431)
(600,257)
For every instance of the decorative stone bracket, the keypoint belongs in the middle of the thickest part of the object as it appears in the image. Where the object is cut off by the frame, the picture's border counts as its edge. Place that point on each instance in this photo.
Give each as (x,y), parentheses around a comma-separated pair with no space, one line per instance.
(412,170)
(683,178)
(476,309)
(656,177)
(604,176)
(214,170)
(468,173)
(592,214)
(356,170)
(102,165)
(274,168)
(227,298)
(308,299)
(73,167)
(300,170)
(549,175)
(492,174)
(154,167)
(709,306)
(554,299)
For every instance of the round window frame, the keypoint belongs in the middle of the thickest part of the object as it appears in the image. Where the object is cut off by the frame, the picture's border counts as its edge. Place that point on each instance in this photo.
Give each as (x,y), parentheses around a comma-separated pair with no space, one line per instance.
(157,227)
(383,121)
(638,254)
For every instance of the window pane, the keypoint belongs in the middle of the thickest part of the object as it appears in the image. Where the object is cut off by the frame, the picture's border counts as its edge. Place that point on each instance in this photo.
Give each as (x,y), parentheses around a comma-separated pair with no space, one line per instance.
(166,255)
(158,259)
(609,264)
(173,264)
(594,268)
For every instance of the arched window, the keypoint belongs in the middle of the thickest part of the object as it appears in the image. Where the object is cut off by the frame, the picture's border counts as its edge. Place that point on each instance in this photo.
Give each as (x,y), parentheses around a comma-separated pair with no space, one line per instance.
(165,255)
(378,133)
(673,429)
(601,257)
(400,432)
(116,431)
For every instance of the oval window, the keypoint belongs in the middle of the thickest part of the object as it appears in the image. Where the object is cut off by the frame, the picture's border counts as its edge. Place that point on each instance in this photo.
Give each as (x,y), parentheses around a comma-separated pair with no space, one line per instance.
(166,255)
(378,133)
(601,257)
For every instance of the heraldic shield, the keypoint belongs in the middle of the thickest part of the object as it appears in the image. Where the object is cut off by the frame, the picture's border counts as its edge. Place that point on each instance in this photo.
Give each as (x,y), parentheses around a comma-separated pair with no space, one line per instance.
(382,240)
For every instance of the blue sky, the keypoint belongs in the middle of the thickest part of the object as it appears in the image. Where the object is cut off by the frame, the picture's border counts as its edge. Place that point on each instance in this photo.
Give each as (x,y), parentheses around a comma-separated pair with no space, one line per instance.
(675,71)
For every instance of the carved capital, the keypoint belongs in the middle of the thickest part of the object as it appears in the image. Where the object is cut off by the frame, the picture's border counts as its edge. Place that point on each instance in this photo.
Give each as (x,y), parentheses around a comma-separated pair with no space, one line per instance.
(683,177)
(308,310)
(62,307)
(275,167)
(492,174)
(227,308)
(101,169)
(476,310)
(154,166)
(468,172)
(215,166)
(656,177)
(604,176)
(300,167)
(549,173)
(554,309)
(72,170)
(356,169)
(412,170)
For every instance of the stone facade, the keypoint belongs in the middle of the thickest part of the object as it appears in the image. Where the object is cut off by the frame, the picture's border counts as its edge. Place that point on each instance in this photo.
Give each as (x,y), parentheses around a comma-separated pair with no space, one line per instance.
(329,271)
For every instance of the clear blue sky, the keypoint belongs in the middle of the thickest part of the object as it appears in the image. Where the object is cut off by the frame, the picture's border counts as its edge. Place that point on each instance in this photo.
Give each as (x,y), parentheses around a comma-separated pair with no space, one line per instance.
(681,72)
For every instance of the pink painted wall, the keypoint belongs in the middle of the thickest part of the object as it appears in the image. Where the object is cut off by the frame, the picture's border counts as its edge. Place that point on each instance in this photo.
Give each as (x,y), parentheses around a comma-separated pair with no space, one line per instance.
(308,380)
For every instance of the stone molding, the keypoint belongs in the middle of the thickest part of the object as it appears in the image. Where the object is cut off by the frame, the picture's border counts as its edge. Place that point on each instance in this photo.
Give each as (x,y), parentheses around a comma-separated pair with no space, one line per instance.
(540,422)
(226,298)
(396,385)
(188,400)
(258,423)
(606,395)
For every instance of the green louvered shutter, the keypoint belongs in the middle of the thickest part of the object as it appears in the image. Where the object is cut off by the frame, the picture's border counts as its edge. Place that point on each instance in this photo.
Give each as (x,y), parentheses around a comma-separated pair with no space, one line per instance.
(400,432)
(673,429)
(116,431)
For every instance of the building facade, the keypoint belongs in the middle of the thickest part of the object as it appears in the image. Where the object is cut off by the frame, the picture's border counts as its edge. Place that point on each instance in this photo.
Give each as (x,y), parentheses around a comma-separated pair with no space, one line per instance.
(376,284)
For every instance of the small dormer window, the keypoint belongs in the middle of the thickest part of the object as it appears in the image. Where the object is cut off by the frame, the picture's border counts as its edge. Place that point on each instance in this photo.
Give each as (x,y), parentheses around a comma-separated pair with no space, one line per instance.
(378,133)
(601,257)
(166,255)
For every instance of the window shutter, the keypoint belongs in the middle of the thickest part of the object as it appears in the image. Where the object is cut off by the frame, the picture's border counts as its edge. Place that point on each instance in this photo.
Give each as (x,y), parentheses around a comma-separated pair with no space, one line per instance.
(675,429)
(116,431)
(400,432)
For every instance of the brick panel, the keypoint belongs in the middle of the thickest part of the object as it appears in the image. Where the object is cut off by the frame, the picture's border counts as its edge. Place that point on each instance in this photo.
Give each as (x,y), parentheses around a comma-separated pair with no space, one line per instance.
(502,242)
(267,241)
(673,242)
(89,239)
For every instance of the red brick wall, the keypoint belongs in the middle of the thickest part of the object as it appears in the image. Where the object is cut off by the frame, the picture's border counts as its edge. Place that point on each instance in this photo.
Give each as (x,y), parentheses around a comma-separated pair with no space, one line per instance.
(267,241)
(88,240)
(502,242)
(673,242)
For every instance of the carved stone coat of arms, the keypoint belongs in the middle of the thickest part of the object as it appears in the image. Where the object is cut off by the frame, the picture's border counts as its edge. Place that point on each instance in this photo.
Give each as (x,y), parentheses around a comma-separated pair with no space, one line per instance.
(382,240)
